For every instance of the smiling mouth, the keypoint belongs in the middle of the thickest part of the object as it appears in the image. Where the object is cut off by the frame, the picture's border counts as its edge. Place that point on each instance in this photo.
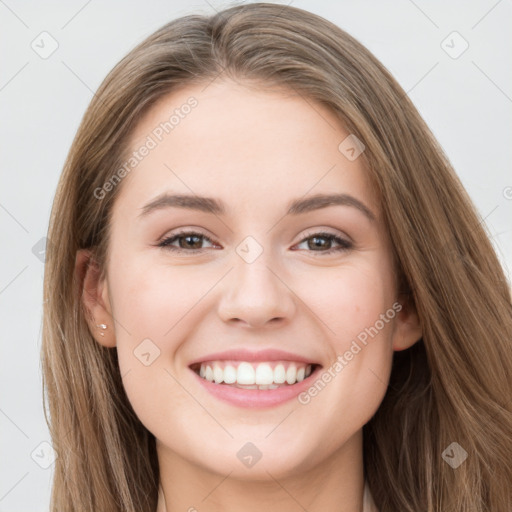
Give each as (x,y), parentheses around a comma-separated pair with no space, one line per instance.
(252,375)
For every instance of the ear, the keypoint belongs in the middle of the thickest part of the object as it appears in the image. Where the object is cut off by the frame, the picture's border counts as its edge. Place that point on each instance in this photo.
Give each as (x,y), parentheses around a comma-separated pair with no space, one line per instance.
(407,327)
(95,298)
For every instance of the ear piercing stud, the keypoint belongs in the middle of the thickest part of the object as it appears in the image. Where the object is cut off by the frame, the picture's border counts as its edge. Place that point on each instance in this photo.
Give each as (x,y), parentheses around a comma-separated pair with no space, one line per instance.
(102,327)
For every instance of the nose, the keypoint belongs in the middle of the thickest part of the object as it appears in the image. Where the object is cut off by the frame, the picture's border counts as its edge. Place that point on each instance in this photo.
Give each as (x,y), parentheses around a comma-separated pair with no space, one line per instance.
(255,294)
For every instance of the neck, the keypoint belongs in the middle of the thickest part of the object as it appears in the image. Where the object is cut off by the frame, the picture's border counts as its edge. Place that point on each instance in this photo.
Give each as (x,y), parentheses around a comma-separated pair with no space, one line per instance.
(335,484)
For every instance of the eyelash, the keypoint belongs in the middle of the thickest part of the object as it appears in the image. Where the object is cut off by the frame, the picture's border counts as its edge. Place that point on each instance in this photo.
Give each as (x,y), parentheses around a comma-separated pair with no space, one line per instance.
(344,245)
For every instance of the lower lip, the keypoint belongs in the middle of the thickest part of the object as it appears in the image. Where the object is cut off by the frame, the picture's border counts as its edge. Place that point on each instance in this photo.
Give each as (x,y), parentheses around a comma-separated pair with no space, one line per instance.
(256,398)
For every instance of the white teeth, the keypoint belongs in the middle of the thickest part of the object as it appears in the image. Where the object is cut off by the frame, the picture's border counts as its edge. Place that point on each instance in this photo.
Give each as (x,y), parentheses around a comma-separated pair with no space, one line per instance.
(291,374)
(218,374)
(259,376)
(264,374)
(229,374)
(245,374)
(279,374)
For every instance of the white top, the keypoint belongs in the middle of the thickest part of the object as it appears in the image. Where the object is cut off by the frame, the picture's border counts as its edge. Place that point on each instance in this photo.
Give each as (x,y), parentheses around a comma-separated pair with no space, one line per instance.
(368,503)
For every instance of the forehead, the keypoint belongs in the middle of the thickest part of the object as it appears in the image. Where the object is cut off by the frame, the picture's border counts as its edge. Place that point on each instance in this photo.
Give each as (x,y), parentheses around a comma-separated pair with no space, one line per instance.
(245,145)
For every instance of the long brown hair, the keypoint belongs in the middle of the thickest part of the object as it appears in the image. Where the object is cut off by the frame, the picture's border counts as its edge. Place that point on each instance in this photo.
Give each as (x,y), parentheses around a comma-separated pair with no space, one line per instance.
(452,386)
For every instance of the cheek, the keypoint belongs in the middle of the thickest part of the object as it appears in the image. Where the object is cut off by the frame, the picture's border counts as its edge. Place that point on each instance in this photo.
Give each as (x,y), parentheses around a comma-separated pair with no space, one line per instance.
(349,299)
(150,315)
(151,301)
(357,311)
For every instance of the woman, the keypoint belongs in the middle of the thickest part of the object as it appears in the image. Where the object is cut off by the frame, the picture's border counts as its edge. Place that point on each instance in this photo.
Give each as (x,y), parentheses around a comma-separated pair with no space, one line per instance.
(260,369)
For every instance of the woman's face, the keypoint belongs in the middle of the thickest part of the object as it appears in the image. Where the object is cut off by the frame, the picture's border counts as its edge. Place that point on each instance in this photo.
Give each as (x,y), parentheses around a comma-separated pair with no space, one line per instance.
(268,269)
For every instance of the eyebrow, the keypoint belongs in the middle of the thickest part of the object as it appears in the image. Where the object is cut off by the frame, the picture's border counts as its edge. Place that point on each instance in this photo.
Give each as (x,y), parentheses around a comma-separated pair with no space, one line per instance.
(217,207)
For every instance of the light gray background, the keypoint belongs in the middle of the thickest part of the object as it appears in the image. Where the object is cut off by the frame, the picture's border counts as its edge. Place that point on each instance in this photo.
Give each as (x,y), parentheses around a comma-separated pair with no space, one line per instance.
(466,101)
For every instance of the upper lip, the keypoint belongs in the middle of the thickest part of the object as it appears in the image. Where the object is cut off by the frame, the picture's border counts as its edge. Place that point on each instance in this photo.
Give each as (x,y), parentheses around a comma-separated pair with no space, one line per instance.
(242,354)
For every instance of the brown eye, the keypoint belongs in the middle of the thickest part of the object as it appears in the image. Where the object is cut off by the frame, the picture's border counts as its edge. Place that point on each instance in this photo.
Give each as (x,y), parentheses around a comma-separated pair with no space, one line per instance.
(187,241)
(319,241)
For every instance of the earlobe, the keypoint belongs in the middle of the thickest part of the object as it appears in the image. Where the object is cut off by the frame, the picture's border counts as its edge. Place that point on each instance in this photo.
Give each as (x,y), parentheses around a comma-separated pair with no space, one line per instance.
(95,299)
(407,328)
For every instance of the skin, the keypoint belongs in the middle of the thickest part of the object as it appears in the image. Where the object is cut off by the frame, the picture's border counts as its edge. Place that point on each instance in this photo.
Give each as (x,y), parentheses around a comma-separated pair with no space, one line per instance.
(256,150)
